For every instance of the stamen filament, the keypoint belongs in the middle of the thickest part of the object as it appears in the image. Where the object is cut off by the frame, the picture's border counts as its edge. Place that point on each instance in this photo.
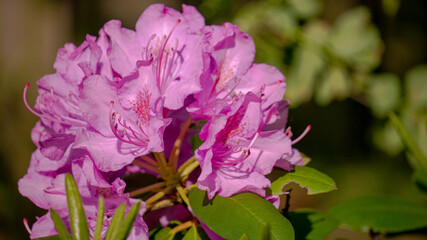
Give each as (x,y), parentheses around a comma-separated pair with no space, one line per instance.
(25,221)
(147,189)
(24,95)
(307,129)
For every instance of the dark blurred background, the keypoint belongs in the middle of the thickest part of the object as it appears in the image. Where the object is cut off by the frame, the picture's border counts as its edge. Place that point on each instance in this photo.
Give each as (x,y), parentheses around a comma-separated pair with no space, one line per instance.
(348,63)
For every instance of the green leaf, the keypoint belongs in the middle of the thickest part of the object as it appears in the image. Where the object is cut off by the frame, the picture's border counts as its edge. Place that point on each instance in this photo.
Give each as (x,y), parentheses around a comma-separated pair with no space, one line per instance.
(335,84)
(420,178)
(380,213)
(387,139)
(244,237)
(59,226)
(192,234)
(322,229)
(314,181)
(383,94)
(245,213)
(304,71)
(78,222)
(164,234)
(115,222)
(355,40)
(99,219)
(127,223)
(311,224)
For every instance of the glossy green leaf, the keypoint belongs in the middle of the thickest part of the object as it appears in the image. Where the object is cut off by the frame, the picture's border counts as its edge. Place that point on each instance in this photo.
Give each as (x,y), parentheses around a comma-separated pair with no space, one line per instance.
(115,222)
(244,237)
(313,180)
(59,226)
(164,234)
(192,234)
(245,213)
(380,213)
(311,224)
(383,94)
(78,222)
(127,223)
(99,219)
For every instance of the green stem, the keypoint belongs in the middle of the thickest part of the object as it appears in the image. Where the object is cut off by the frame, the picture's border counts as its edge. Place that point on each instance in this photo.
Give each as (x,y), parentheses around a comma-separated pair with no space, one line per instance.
(181,227)
(409,142)
(183,194)
(145,165)
(160,204)
(189,169)
(185,164)
(173,158)
(163,167)
(158,195)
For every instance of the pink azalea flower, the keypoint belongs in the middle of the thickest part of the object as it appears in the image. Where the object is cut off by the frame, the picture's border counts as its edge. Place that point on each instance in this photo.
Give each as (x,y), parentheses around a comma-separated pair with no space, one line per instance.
(168,44)
(237,153)
(229,72)
(48,191)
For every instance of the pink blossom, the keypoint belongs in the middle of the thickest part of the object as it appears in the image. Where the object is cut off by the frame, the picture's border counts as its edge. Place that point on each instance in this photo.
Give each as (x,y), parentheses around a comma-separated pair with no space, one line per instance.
(237,153)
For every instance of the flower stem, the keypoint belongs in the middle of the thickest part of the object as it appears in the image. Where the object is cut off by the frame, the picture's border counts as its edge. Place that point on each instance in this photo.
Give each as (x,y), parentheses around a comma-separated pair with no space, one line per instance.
(183,194)
(185,164)
(173,158)
(147,189)
(149,160)
(158,195)
(181,227)
(159,205)
(145,165)
(163,167)
(188,170)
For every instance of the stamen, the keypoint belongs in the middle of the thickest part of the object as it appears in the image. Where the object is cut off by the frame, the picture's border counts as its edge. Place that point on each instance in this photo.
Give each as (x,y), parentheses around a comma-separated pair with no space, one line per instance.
(307,129)
(275,88)
(160,57)
(40,115)
(113,125)
(25,221)
(253,140)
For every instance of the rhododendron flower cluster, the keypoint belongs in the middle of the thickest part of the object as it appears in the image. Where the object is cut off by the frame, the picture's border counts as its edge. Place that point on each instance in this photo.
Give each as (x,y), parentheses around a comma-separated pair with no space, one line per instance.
(174,99)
